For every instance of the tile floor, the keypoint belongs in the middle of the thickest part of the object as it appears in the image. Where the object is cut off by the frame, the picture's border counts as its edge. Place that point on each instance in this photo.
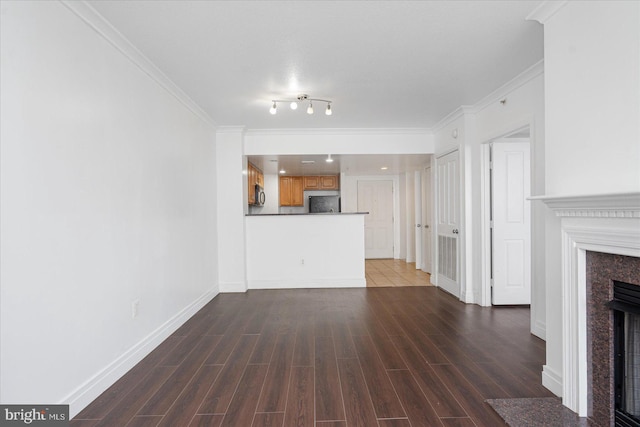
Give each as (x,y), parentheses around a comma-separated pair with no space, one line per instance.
(394,273)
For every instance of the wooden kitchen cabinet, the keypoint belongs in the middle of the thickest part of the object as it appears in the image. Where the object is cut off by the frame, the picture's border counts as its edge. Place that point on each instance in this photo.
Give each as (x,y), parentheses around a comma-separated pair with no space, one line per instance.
(254,176)
(322,182)
(291,191)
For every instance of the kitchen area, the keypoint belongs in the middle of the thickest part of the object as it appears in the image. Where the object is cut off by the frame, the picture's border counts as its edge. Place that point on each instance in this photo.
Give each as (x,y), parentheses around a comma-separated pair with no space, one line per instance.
(297,216)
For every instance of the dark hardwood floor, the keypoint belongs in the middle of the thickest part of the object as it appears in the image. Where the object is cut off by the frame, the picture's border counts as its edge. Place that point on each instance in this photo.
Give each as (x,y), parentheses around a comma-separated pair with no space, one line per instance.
(386,357)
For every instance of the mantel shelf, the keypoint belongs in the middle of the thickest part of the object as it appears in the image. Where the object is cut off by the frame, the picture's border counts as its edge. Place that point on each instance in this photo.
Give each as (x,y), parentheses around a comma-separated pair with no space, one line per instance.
(610,205)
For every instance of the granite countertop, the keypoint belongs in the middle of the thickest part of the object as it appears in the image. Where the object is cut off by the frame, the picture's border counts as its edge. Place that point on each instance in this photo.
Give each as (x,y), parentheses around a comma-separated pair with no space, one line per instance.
(320,213)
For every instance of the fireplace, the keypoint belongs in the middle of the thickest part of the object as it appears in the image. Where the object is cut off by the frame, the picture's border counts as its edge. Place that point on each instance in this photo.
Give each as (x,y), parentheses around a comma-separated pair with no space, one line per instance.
(613,302)
(626,353)
(600,243)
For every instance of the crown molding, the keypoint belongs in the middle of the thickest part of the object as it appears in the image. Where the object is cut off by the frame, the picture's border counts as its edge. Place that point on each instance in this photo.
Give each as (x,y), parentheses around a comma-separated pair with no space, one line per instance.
(341,131)
(545,10)
(101,26)
(520,80)
(453,116)
(612,205)
(230,129)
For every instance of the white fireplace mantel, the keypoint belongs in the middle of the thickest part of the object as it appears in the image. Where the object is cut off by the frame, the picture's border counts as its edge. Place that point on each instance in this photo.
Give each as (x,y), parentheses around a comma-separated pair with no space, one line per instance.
(608,223)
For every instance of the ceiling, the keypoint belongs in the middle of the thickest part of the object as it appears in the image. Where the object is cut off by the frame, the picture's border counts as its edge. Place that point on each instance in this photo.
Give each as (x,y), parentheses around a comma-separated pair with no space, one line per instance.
(384,64)
(357,165)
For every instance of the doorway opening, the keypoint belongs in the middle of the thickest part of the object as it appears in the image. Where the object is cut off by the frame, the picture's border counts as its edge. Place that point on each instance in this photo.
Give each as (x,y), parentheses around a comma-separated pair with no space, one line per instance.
(506,219)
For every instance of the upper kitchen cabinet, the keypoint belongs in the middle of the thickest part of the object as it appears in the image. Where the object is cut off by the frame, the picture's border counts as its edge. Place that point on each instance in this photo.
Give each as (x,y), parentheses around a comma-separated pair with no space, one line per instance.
(254,177)
(291,191)
(322,182)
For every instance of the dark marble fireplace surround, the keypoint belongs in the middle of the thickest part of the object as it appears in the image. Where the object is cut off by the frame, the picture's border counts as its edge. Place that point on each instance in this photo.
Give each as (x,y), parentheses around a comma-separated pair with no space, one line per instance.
(601,270)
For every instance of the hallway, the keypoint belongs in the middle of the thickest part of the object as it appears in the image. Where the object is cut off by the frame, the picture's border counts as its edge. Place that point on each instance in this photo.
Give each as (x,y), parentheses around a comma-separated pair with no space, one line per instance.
(394,273)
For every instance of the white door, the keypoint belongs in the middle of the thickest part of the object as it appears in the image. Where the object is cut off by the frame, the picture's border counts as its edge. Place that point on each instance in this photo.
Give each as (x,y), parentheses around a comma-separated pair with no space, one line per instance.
(426,220)
(417,226)
(376,197)
(448,222)
(511,223)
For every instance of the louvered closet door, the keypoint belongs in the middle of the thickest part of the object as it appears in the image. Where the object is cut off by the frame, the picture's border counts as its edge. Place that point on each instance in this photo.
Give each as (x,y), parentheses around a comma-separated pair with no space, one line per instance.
(448,222)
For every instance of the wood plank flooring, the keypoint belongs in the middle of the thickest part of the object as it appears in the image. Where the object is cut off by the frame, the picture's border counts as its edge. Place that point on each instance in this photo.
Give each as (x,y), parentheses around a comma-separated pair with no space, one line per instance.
(409,356)
(394,273)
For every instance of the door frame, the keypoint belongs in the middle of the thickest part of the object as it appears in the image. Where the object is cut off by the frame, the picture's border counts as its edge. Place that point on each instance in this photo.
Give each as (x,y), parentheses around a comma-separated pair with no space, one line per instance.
(396,204)
(435,256)
(393,216)
(427,213)
(485,212)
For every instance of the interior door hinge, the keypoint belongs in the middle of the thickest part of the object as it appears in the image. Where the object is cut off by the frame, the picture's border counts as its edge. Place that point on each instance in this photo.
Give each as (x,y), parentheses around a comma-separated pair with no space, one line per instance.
(491,165)
(491,224)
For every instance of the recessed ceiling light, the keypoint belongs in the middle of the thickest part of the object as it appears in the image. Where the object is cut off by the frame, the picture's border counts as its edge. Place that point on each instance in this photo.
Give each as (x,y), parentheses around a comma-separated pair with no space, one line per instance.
(384,168)
(283,171)
(307,162)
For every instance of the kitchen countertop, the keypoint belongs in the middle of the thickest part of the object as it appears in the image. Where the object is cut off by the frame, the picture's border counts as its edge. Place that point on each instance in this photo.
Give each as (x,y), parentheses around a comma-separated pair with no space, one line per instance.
(320,213)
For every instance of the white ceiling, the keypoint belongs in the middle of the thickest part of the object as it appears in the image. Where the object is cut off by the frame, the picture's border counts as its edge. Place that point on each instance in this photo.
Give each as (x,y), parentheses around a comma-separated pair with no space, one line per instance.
(384,64)
(356,165)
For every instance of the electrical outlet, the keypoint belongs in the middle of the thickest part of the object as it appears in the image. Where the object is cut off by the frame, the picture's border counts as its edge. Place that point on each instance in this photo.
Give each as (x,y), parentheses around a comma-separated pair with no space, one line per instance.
(302,261)
(134,308)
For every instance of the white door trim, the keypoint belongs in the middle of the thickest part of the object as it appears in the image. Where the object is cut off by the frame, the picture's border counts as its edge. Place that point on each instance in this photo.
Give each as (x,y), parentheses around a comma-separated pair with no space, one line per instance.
(485,210)
(511,249)
(441,280)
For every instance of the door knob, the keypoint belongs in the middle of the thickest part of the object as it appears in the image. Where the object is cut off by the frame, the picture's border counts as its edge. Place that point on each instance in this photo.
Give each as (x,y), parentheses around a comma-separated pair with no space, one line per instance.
(418,225)
(455,231)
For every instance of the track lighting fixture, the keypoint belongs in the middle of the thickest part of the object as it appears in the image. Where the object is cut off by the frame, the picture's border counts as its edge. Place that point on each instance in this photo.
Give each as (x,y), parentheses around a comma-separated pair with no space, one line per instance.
(301,98)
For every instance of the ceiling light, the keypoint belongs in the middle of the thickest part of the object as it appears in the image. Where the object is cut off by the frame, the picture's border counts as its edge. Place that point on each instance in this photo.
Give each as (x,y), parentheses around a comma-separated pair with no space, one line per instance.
(283,171)
(301,98)
(329,159)
(307,162)
(384,168)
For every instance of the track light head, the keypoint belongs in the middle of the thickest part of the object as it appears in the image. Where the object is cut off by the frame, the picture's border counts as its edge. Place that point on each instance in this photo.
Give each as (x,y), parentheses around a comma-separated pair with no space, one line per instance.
(328,111)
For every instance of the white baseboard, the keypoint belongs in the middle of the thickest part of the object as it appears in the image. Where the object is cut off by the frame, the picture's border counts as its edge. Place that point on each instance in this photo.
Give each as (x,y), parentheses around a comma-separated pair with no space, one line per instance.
(231,287)
(95,386)
(348,282)
(552,380)
(539,329)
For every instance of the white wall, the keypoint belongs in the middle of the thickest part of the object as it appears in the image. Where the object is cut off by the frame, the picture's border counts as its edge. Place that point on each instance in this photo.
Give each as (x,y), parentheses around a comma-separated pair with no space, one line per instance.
(477,125)
(232,206)
(592,126)
(524,106)
(592,61)
(338,141)
(410,212)
(107,197)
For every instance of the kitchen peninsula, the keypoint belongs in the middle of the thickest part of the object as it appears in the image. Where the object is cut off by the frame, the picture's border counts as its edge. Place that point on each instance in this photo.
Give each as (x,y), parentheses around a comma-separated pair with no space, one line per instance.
(319,250)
